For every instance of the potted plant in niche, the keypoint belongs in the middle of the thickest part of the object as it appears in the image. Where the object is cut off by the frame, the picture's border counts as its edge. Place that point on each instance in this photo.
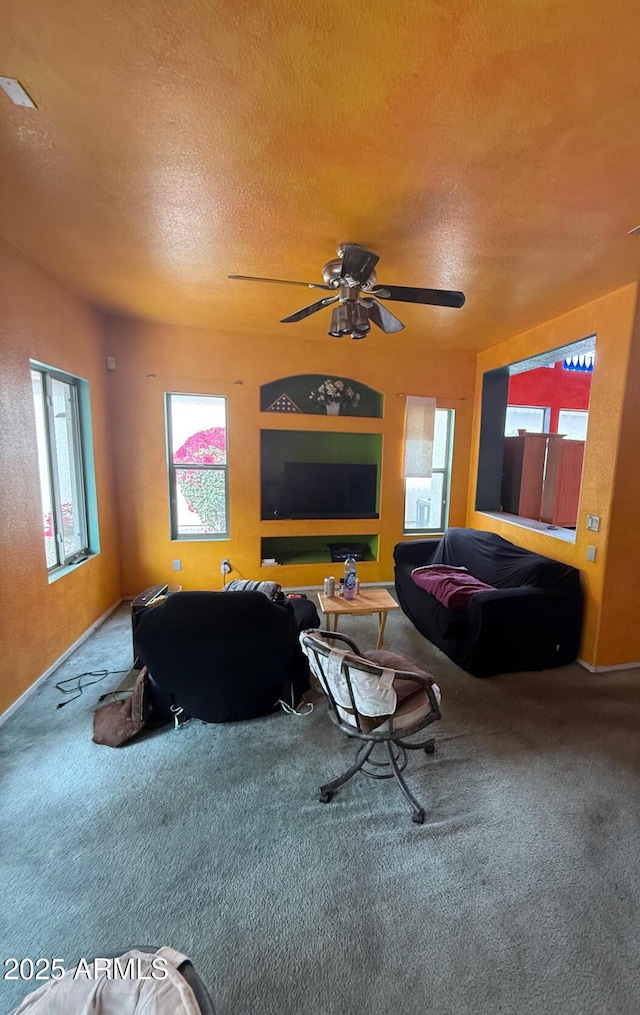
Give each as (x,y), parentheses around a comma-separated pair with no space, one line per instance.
(333,395)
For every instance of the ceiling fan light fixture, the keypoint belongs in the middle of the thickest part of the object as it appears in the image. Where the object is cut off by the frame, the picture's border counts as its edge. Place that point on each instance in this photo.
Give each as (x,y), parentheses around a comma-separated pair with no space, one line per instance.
(360,326)
(340,321)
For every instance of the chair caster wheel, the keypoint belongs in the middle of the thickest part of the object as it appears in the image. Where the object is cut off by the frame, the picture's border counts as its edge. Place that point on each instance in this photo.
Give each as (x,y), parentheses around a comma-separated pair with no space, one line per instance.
(418,817)
(325,797)
(430,749)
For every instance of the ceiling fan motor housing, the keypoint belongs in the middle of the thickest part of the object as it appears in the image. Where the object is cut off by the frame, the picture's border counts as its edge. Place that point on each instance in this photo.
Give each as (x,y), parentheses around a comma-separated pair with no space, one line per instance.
(332,275)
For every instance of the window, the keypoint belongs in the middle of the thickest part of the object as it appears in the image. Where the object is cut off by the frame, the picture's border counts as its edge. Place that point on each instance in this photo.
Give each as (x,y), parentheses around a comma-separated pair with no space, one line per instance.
(197,446)
(573,423)
(61,459)
(426,501)
(532,418)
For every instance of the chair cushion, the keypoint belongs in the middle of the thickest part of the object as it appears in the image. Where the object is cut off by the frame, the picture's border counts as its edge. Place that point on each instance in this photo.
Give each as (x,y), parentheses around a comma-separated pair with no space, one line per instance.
(394,661)
(413,700)
(414,707)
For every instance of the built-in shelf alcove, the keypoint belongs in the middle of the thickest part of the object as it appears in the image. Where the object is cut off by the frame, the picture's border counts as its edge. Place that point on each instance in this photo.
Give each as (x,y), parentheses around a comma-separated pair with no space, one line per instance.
(289,458)
(321,395)
(315,549)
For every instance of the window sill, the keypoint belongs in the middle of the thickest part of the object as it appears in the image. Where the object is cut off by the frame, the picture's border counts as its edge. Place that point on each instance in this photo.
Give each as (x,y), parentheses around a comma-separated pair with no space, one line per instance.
(60,572)
(423,533)
(200,539)
(555,531)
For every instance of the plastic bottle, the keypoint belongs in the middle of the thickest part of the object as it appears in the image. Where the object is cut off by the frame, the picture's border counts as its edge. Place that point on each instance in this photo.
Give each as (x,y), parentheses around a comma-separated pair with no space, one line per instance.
(350,578)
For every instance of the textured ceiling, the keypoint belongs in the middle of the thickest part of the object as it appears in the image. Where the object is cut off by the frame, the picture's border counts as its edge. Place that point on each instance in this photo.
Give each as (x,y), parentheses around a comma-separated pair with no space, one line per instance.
(486,146)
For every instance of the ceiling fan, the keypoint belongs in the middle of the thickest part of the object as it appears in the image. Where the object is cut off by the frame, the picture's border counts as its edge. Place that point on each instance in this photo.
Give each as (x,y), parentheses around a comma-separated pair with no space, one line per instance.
(352,276)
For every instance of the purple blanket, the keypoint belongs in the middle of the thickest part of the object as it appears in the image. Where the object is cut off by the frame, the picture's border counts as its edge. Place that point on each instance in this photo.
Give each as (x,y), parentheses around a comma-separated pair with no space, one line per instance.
(452,586)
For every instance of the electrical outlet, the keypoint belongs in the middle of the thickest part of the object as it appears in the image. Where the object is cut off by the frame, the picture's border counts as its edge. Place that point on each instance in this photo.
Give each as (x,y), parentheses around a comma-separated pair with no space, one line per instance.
(177,565)
(591,553)
(593,523)
(225,566)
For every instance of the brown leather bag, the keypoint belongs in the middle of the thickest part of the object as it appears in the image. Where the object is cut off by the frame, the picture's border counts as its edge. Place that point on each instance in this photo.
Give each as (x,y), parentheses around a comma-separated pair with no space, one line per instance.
(118,722)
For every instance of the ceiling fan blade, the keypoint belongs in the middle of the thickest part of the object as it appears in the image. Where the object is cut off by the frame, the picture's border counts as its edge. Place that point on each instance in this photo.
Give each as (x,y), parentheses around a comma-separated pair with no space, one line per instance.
(358,263)
(410,294)
(382,317)
(307,311)
(280,281)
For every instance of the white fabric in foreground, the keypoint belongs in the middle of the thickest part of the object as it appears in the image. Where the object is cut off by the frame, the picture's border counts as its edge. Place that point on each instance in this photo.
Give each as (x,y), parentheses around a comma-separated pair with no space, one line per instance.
(373,694)
(131,996)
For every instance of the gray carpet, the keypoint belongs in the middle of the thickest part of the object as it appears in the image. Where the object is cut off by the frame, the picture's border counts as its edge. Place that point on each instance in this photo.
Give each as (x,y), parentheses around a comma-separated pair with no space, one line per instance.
(520,893)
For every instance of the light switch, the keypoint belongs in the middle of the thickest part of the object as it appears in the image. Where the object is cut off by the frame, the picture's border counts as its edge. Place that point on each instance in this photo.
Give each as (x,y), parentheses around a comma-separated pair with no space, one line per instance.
(177,565)
(593,523)
(591,553)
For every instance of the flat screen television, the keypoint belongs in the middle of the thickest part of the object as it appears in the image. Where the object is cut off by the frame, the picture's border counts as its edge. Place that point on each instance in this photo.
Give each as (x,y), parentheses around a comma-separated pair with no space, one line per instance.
(330,490)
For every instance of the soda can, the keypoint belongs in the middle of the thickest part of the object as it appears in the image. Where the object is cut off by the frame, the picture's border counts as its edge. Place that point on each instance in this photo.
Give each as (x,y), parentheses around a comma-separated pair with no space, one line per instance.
(329,587)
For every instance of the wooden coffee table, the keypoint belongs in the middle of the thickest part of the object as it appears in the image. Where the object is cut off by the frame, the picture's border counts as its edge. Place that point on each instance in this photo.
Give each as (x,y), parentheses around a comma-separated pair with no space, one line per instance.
(367,601)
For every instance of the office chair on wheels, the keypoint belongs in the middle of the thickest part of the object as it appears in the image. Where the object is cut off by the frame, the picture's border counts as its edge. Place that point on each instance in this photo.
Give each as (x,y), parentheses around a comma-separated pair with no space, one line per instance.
(380,699)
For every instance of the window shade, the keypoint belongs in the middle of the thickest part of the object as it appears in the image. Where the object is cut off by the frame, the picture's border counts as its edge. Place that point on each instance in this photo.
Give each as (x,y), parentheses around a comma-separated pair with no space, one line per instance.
(418,437)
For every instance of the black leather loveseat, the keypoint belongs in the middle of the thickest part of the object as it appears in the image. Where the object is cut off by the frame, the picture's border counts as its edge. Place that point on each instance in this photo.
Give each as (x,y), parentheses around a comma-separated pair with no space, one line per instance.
(531,621)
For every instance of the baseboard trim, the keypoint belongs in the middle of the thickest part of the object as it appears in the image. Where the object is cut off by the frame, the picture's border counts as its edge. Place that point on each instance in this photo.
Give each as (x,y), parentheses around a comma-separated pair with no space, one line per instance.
(297,588)
(61,659)
(607,669)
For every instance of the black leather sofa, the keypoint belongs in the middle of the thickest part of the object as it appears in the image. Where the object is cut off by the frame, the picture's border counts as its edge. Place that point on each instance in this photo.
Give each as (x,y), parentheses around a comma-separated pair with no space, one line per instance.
(532,621)
(222,657)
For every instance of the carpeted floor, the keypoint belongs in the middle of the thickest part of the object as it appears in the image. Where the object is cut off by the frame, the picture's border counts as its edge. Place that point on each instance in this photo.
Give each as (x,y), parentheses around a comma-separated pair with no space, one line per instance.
(519,894)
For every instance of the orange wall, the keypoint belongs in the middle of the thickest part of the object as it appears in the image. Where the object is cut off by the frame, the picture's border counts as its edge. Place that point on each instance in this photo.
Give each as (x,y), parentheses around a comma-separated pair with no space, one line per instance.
(38,620)
(619,640)
(209,362)
(612,439)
